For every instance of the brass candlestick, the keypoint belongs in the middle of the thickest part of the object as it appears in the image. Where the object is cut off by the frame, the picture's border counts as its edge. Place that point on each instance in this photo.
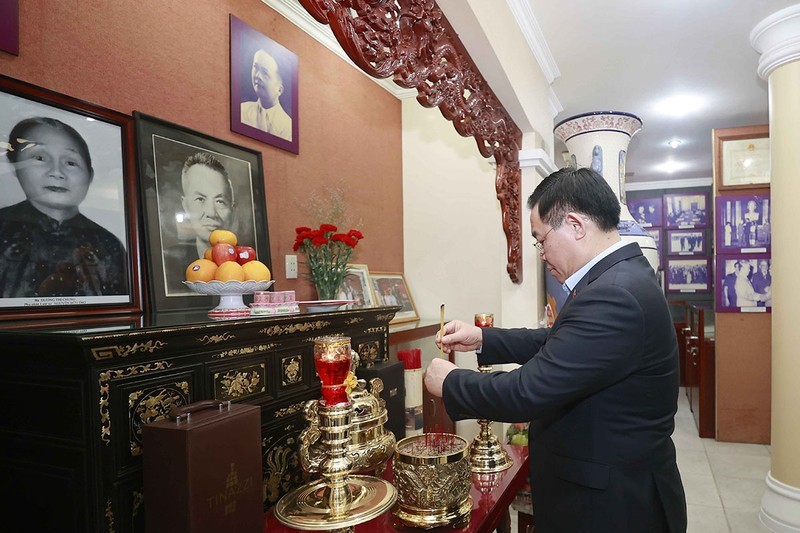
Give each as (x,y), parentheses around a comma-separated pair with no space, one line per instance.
(486,454)
(339,500)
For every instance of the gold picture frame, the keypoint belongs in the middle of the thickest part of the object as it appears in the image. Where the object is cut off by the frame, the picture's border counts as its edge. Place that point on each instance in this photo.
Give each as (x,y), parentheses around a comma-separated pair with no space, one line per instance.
(741,158)
(390,288)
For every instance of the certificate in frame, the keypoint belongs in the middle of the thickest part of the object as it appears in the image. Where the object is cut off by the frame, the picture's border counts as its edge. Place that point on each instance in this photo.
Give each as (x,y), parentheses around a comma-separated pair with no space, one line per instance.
(741,158)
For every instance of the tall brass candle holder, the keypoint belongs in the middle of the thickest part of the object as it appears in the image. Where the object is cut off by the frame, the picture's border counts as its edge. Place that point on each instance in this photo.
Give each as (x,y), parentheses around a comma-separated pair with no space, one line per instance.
(486,454)
(339,500)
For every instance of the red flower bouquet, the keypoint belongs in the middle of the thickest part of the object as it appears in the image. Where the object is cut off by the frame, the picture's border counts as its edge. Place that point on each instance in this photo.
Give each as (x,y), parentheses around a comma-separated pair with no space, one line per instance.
(327,253)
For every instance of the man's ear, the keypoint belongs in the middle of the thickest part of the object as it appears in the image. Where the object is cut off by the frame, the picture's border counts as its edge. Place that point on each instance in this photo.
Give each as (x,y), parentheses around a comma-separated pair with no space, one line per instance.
(577,224)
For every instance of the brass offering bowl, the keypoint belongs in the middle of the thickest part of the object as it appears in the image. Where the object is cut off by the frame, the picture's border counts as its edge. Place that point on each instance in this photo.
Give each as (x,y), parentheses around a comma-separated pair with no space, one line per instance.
(432,477)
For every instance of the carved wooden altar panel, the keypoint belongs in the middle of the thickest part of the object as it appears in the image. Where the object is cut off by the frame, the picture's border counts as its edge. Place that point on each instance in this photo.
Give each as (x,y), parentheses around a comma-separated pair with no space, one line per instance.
(411,41)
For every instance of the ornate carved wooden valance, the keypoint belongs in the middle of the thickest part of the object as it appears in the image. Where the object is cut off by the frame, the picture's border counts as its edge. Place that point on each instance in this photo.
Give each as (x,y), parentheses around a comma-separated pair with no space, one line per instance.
(412,41)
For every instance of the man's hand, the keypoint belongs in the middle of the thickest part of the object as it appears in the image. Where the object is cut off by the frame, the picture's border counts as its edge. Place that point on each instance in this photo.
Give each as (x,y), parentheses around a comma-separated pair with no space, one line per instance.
(435,374)
(459,337)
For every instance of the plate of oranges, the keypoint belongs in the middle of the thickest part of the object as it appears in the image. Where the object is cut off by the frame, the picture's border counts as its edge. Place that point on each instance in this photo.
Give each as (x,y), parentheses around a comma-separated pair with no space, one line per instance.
(229,271)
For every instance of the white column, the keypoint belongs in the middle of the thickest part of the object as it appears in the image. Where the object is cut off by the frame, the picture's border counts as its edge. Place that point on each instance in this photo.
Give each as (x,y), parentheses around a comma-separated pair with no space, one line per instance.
(777,39)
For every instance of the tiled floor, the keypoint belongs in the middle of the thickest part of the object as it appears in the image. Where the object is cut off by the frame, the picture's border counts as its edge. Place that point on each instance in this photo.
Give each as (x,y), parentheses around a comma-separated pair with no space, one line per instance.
(723,481)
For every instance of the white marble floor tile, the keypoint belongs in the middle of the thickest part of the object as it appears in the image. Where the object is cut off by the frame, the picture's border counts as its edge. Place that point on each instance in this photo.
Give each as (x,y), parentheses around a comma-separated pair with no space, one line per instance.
(745,522)
(701,490)
(715,447)
(740,494)
(706,520)
(686,440)
(737,465)
(693,462)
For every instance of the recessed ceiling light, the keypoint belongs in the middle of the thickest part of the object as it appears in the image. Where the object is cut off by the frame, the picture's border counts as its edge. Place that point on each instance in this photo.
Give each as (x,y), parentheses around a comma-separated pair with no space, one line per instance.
(670,166)
(674,143)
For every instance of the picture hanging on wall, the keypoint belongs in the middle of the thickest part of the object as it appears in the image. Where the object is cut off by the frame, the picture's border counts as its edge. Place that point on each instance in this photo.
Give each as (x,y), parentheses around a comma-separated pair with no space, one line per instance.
(646,211)
(656,234)
(688,275)
(744,283)
(686,242)
(686,210)
(264,88)
(743,224)
(192,184)
(68,212)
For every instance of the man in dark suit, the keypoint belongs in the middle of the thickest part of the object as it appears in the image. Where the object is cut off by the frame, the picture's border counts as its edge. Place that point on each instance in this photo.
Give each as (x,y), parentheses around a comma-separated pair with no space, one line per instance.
(600,386)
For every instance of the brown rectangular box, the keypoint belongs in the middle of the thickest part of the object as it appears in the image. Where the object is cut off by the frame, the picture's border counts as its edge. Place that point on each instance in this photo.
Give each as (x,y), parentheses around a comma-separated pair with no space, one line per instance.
(202,472)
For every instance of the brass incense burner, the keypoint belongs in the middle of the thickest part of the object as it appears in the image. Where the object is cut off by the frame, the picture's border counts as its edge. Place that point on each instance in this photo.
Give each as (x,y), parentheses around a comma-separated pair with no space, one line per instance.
(370,446)
(339,500)
(433,479)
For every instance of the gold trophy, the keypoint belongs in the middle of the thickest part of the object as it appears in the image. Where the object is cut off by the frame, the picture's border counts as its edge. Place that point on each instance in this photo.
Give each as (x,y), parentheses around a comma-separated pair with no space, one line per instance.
(486,454)
(339,500)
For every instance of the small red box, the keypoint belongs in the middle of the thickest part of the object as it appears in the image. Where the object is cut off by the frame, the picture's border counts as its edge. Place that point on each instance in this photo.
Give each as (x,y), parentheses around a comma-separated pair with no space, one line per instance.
(202,469)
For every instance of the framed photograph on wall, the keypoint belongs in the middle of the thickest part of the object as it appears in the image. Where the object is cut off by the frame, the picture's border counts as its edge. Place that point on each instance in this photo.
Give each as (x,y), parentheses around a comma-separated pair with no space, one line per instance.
(391,289)
(656,234)
(686,210)
(741,157)
(743,224)
(686,242)
(68,212)
(192,184)
(264,88)
(646,211)
(744,283)
(356,287)
(688,275)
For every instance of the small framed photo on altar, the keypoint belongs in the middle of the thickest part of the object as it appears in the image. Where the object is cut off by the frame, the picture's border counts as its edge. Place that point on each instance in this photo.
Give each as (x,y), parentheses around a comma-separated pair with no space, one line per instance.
(356,287)
(391,289)
(686,275)
(686,242)
(744,283)
(646,211)
(686,210)
(741,157)
(743,224)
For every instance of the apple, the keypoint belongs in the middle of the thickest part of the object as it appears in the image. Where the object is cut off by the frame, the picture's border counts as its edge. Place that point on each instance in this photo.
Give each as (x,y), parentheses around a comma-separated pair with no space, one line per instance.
(245,254)
(520,439)
(222,252)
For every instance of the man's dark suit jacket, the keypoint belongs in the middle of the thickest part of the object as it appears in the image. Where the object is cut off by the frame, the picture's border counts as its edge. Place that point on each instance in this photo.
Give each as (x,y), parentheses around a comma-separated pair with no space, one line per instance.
(600,389)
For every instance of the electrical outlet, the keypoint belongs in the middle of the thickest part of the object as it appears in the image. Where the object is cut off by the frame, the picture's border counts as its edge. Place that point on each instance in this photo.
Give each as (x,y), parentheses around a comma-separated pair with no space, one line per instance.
(291,267)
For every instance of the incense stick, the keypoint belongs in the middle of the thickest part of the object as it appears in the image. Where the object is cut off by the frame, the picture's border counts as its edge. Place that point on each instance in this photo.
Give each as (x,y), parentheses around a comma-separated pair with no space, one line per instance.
(441,330)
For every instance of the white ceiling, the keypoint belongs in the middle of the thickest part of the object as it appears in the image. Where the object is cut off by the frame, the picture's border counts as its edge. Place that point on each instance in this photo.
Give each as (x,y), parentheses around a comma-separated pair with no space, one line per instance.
(634,55)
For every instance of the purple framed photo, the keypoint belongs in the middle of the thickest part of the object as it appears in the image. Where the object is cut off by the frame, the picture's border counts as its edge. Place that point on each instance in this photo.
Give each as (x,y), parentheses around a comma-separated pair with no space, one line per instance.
(646,211)
(743,224)
(744,283)
(264,80)
(686,242)
(688,275)
(656,234)
(9,26)
(686,210)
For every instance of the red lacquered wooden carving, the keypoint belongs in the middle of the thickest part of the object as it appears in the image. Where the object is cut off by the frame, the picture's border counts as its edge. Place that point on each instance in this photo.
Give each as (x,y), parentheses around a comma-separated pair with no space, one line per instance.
(411,41)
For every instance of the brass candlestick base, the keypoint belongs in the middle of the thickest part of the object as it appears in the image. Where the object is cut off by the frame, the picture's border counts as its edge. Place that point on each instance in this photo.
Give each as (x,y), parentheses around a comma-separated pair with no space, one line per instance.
(339,500)
(486,454)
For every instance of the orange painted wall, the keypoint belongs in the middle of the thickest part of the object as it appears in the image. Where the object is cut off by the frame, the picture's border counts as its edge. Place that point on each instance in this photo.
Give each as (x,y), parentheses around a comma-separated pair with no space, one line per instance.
(171,60)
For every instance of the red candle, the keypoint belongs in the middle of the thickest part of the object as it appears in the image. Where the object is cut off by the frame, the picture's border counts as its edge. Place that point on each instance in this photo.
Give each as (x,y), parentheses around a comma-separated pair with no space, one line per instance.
(332,359)
(484,320)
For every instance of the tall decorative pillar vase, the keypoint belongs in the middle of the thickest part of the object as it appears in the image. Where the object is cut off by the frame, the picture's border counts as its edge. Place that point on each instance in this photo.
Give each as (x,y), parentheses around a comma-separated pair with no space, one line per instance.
(599,140)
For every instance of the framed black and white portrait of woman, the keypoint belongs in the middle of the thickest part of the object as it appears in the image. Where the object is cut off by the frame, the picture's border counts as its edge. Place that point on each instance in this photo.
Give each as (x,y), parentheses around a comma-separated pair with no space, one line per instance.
(68,230)
(193,184)
(743,224)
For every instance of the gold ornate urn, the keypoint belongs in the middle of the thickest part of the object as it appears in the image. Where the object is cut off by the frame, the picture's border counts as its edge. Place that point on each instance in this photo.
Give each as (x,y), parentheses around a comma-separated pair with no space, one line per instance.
(370,446)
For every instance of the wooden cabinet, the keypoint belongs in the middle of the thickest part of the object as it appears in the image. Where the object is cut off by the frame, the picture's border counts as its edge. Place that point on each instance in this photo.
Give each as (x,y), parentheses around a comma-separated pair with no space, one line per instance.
(76,396)
(700,365)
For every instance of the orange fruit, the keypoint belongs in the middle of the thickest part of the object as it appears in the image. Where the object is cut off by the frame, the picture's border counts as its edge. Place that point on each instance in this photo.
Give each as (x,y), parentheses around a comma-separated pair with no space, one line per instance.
(201,270)
(256,271)
(222,236)
(207,254)
(229,271)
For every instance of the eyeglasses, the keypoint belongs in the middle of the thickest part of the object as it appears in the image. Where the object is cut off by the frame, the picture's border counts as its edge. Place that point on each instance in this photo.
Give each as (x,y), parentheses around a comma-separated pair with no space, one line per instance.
(540,244)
